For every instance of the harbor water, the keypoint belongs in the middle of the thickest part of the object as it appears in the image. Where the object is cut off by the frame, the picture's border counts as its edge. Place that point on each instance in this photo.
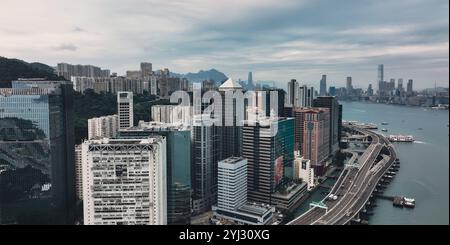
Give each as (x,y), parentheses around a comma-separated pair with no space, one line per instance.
(424,172)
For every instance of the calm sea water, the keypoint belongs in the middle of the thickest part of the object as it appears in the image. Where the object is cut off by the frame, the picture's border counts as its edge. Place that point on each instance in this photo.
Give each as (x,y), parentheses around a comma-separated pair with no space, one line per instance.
(424,172)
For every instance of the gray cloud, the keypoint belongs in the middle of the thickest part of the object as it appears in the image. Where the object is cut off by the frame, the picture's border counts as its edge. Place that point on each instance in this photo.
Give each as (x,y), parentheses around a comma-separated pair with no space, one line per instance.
(276,39)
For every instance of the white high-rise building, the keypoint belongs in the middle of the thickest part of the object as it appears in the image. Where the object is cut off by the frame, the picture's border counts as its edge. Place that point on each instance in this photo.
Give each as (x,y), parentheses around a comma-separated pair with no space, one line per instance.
(124,181)
(78,173)
(232,202)
(103,127)
(232,183)
(172,114)
(303,170)
(125,109)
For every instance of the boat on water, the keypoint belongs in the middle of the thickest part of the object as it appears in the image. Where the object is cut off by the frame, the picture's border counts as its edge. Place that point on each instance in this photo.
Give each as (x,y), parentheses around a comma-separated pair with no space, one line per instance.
(401,138)
(384,130)
(384,123)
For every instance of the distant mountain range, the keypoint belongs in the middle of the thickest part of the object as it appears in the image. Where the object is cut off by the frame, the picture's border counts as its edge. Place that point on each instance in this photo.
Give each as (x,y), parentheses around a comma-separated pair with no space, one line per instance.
(12,69)
(200,76)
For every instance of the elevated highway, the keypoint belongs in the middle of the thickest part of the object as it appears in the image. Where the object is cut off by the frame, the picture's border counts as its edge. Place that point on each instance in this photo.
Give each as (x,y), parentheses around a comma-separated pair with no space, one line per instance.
(355,185)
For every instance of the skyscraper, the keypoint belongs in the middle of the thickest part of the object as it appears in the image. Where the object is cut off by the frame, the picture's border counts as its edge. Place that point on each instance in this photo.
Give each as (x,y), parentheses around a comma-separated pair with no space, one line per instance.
(178,138)
(349,86)
(268,145)
(305,96)
(232,116)
(146,70)
(232,183)
(37,180)
(293,93)
(266,105)
(250,84)
(316,137)
(205,156)
(381,82)
(323,86)
(409,88)
(124,181)
(333,106)
(380,73)
(232,195)
(125,109)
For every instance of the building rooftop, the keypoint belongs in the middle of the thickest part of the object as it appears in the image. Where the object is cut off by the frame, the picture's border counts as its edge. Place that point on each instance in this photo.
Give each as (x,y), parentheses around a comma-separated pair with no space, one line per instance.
(255,209)
(233,160)
(230,84)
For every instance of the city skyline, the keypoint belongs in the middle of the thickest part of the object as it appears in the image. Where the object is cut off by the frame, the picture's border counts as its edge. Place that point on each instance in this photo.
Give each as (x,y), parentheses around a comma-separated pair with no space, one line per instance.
(277,42)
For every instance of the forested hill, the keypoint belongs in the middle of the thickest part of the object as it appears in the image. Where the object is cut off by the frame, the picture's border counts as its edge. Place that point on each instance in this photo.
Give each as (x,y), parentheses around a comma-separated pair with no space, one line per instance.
(12,69)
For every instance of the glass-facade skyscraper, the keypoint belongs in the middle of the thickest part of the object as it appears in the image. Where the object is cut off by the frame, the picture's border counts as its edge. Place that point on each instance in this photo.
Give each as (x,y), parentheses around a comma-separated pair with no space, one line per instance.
(37,183)
(268,145)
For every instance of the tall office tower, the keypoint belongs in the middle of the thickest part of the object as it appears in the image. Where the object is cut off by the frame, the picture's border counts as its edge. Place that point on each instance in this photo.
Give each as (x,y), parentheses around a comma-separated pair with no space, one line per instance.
(333,106)
(409,87)
(103,127)
(179,159)
(293,92)
(299,116)
(323,86)
(232,183)
(146,70)
(349,86)
(125,109)
(265,104)
(206,153)
(232,195)
(381,81)
(303,170)
(37,180)
(78,173)
(250,85)
(230,131)
(172,114)
(268,145)
(305,96)
(315,145)
(124,181)
(380,73)
(370,90)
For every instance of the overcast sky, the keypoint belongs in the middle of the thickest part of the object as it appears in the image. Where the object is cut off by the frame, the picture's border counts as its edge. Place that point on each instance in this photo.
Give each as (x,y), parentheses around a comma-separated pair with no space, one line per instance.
(276,39)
